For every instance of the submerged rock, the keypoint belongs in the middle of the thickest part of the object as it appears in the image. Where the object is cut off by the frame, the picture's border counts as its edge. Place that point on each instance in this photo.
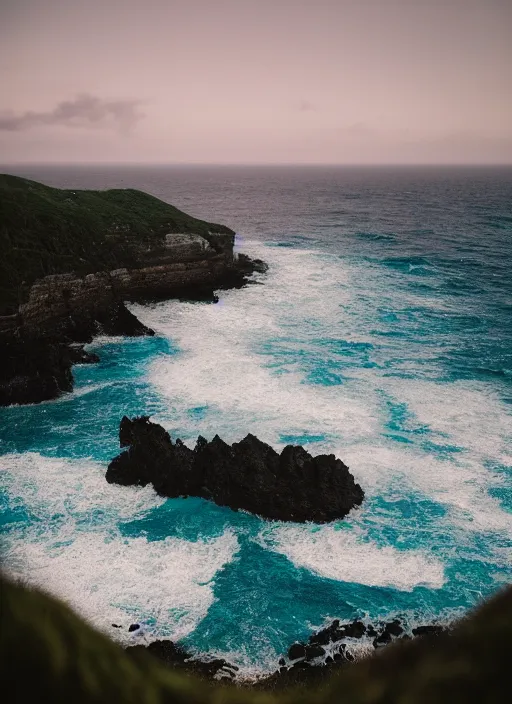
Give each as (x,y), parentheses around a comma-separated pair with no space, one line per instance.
(248,475)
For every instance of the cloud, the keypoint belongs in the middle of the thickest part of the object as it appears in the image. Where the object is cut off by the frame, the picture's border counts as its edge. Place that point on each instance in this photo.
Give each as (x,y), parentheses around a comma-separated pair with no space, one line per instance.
(84,111)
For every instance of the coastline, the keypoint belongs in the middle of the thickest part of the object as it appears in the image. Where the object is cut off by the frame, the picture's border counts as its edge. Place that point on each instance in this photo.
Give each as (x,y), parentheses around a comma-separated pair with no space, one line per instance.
(57,312)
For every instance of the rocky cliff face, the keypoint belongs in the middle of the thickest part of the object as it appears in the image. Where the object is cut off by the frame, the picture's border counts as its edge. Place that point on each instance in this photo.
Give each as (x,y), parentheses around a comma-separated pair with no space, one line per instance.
(35,363)
(183,262)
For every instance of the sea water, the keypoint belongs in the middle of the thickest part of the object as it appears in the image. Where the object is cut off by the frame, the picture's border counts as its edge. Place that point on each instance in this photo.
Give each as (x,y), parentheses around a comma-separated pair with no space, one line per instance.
(381,333)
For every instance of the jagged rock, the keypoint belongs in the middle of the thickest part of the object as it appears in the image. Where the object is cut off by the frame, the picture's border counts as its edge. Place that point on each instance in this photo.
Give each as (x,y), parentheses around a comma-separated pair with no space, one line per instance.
(248,265)
(335,632)
(332,640)
(314,651)
(175,657)
(296,651)
(306,664)
(33,369)
(249,475)
(395,628)
(382,639)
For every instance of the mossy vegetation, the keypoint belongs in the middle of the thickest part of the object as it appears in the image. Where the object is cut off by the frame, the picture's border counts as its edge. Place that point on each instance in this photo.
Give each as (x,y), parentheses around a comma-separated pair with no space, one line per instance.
(46,230)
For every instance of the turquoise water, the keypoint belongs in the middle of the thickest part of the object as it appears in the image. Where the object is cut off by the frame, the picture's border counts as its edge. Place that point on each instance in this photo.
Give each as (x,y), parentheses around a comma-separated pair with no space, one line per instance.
(381,333)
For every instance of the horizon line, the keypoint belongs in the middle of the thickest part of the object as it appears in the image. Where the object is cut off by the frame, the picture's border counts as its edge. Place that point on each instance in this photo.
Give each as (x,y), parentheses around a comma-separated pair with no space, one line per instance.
(259,163)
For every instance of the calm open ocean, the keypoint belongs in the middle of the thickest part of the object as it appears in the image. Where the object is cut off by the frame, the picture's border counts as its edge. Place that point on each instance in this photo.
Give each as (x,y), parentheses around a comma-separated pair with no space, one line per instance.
(382,333)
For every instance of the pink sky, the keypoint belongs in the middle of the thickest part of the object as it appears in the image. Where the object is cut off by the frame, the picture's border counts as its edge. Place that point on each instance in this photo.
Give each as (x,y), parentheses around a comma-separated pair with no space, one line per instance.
(256,81)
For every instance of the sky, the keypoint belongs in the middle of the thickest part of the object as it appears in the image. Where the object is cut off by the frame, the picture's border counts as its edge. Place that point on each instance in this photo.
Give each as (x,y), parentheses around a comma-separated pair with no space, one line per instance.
(256,81)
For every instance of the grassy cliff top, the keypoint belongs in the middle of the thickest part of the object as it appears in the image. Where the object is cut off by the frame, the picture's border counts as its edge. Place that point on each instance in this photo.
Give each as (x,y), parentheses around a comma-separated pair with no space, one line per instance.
(46,230)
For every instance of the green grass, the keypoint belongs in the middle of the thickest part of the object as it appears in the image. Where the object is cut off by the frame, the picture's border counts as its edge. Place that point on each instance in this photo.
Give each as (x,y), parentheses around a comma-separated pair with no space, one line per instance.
(46,230)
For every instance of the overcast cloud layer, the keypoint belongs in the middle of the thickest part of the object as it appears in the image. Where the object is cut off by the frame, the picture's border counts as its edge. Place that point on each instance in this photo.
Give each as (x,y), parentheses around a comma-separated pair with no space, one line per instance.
(252,81)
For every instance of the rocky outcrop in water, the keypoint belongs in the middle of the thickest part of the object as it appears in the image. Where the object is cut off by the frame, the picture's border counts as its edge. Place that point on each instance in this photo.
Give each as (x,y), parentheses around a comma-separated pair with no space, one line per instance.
(248,475)
(177,658)
(327,651)
(332,648)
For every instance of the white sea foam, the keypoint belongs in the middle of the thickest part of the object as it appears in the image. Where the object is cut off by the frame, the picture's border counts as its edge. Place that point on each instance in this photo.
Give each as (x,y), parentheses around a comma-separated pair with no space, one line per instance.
(166,585)
(219,368)
(460,483)
(225,367)
(74,489)
(74,549)
(345,555)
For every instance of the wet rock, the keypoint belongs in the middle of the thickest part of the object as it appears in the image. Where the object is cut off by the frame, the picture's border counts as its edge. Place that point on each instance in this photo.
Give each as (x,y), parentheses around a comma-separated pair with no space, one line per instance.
(66,308)
(314,651)
(80,356)
(394,628)
(383,639)
(37,367)
(296,651)
(389,632)
(176,657)
(356,629)
(249,475)
(308,666)
(133,627)
(33,369)
(249,265)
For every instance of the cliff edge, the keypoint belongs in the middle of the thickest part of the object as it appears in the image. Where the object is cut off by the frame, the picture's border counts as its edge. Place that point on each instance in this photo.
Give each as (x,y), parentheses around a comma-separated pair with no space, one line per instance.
(70,259)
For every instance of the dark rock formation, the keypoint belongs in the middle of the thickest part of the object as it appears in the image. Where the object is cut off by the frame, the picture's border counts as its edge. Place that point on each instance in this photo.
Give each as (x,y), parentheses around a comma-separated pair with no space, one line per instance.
(391,630)
(328,650)
(249,475)
(90,252)
(34,355)
(33,369)
(36,365)
(176,658)
(78,355)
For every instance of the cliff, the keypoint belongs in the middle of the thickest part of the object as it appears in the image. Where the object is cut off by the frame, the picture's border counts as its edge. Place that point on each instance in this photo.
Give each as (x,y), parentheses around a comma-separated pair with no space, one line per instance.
(46,231)
(70,259)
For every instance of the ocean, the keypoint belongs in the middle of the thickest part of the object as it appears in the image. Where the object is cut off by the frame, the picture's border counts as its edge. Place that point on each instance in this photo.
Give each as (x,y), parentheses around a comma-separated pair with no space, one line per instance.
(381,333)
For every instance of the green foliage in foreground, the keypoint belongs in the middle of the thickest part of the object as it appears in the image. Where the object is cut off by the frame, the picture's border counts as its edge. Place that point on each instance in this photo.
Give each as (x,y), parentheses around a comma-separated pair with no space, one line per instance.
(48,654)
(47,230)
